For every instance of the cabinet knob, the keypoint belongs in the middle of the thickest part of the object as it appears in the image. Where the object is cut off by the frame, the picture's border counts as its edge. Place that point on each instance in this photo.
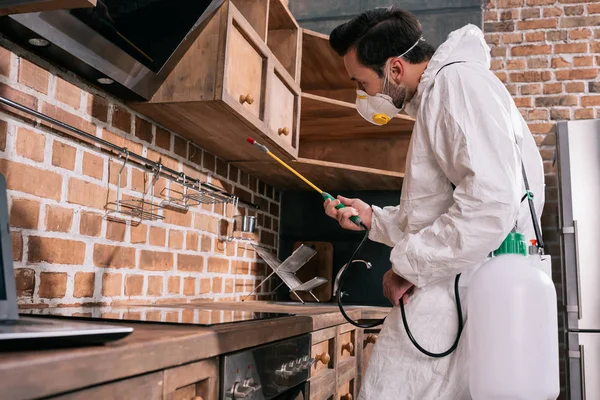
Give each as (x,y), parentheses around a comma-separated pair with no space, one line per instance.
(347,396)
(324,358)
(197,398)
(371,339)
(284,131)
(247,98)
(349,347)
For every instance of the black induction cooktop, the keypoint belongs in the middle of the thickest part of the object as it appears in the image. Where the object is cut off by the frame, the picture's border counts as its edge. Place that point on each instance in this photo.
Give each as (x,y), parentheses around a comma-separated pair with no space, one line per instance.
(186,314)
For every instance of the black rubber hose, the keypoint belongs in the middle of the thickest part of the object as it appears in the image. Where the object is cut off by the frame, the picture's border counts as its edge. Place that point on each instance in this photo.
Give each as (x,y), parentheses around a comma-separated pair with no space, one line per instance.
(339,295)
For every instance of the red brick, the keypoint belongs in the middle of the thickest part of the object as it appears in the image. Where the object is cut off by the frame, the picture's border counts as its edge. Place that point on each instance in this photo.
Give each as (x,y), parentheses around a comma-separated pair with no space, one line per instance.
(114,168)
(541,128)
(590,101)
(139,234)
(33,76)
(189,286)
(556,36)
(489,39)
(58,219)
(92,165)
(558,114)
(163,138)
(158,236)
(121,141)
(498,52)
(217,285)
(191,241)
(523,102)
(30,144)
(530,13)
(86,194)
(114,256)
(584,113)
(536,115)
(134,285)
(204,286)
(586,61)
(18,97)
(530,76)
(115,230)
(552,12)
(505,26)
(573,22)
(572,74)
(156,261)
(155,286)
(219,265)
(553,101)
(16,239)
(580,34)
(53,285)
(56,251)
(121,119)
(531,89)
(190,263)
(510,3)
(68,93)
(174,285)
(574,10)
(25,282)
(24,213)
(509,15)
(178,218)
(529,50)
(112,284)
(90,224)
(143,129)
(180,146)
(560,63)
(68,118)
(84,284)
(575,87)
(3,134)
(511,38)
(97,107)
(546,23)
(594,87)
(63,155)
(540,2)
(5,62)
(267,238)
(570,48)
(537,63)
(495,65)
(490,16)
(175,239)
(206,244)
(535,36)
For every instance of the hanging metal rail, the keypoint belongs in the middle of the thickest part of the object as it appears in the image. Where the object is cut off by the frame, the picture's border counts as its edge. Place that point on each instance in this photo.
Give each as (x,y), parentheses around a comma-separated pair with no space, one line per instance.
(216,193)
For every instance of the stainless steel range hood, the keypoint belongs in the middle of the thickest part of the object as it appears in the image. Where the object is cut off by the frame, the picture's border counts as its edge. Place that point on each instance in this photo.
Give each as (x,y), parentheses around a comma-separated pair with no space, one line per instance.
(101,53)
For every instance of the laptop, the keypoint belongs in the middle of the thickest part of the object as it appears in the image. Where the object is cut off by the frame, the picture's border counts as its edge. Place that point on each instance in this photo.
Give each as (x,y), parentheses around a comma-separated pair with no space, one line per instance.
(15,328)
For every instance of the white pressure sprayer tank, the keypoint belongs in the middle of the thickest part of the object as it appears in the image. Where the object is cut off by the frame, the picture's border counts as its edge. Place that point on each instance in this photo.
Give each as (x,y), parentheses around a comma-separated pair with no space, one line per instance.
(513,327)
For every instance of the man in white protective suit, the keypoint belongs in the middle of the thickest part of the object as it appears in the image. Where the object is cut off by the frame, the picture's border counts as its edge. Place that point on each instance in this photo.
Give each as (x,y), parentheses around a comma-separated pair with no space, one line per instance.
(461,196)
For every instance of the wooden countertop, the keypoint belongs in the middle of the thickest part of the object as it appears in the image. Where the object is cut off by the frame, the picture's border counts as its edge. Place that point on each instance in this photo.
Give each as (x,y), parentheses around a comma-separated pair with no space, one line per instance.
(155,346)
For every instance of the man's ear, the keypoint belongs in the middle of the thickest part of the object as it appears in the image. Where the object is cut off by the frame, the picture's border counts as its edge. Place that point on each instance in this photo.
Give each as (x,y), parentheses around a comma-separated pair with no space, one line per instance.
(397,70)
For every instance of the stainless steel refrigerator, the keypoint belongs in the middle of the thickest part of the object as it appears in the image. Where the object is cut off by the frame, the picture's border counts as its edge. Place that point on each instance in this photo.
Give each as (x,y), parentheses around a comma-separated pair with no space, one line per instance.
(578,157)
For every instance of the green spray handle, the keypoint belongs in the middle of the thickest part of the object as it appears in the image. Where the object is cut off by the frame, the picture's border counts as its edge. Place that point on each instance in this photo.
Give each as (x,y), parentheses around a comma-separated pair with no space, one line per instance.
(355,218)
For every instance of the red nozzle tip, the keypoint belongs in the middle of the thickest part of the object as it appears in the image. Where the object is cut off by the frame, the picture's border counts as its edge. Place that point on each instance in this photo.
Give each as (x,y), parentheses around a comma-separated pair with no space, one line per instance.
(251,141)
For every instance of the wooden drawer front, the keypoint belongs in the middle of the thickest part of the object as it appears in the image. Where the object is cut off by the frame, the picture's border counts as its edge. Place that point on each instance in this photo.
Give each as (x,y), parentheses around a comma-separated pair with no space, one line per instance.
(245,70)
(322,352)
(346,390)
(346,343)
(369,340)
(147,387)
(283,111)
(322,387)
(188,382)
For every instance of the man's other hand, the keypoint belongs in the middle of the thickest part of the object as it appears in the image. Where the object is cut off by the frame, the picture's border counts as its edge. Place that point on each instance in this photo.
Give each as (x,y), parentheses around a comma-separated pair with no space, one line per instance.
(396,288)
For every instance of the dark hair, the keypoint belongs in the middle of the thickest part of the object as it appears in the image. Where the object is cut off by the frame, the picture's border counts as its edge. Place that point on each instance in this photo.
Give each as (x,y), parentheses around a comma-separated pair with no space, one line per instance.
(379,34)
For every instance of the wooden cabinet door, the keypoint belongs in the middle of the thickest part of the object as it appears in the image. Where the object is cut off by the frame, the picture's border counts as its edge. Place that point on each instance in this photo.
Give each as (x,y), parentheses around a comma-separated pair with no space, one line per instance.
(283,104)
(367,340)
(18,7)
(147,387)
(194,381)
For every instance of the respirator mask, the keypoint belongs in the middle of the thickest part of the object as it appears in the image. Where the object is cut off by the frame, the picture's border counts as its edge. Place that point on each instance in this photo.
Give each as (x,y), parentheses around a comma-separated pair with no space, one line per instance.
(379,109)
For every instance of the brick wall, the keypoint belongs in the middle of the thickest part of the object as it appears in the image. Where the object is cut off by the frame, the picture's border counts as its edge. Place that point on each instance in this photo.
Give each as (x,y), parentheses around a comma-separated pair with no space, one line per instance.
(65,250)
(547,53)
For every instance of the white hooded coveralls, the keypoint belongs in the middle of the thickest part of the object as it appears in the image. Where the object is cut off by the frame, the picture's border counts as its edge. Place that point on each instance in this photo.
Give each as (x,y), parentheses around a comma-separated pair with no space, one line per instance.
(470,134)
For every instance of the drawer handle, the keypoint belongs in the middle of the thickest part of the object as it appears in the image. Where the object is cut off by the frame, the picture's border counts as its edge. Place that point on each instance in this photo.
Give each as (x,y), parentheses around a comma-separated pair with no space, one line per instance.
(371,339)
(349,347)
(324,358)
(248,98)
(284,131)
(197,398)
(347,396)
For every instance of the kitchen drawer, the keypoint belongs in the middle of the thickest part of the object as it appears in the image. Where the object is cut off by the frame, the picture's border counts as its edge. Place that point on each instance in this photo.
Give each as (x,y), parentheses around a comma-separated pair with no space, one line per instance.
(322,387)
(346,389)
(147,387)
(323,351)
(192,381)
(368,339)
(283,105)
(346,342)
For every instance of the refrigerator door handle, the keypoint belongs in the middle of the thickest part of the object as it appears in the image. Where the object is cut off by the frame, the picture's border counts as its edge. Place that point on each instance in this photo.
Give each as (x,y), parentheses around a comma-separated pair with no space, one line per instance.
(582,363)
(573,230)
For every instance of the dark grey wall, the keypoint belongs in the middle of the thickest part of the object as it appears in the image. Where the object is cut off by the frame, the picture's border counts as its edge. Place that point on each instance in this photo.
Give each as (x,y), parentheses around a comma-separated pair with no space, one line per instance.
(304,220)
(438,17)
